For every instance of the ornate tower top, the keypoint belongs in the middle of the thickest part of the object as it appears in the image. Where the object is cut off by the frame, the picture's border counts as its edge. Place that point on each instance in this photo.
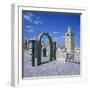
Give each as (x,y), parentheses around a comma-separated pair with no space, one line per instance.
(69,29)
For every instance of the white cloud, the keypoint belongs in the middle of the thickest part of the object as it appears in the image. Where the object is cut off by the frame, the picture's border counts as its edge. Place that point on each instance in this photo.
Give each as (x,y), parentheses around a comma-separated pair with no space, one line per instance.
(30,30)
(27,17)
(34,19)
(30,14)
(56,38)
(36,22)
(62,37)
(28,26)
(59,38)
(55,32)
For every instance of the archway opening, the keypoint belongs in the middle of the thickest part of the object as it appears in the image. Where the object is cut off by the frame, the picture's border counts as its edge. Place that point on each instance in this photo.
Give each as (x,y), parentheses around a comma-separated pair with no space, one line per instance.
(45,50)
(39,49)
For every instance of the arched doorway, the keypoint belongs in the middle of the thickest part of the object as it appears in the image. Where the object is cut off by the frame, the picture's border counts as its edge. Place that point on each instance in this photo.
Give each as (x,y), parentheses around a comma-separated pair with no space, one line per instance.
(39,47)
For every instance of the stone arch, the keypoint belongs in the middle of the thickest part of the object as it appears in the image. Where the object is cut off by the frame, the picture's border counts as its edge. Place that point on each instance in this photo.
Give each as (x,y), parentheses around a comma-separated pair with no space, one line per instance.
(39,47)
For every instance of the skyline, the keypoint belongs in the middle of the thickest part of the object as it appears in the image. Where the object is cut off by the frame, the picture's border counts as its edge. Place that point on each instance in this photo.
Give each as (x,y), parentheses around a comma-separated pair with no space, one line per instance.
(36,22)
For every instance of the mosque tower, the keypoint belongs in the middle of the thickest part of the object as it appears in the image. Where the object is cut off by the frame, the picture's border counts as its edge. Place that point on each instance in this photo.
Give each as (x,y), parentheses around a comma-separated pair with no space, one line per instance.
(69,40)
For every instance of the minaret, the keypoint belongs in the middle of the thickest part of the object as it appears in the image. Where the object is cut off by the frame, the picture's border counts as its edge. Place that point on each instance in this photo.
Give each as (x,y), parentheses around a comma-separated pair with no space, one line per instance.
(69,40)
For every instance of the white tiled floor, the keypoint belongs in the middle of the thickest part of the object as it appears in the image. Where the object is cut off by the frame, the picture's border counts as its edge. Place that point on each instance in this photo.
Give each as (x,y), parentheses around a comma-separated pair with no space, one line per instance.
(52,68)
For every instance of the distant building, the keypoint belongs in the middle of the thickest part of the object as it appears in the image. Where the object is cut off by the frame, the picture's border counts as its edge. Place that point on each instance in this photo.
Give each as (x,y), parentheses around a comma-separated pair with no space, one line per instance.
(25,45)
(69,40)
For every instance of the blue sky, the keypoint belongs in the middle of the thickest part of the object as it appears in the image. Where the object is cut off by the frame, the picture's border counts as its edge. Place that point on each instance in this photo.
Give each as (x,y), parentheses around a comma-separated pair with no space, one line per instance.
(54,23)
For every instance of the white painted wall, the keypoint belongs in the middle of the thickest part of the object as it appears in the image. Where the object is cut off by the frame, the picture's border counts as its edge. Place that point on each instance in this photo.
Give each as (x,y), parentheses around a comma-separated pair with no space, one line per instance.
(5,46)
